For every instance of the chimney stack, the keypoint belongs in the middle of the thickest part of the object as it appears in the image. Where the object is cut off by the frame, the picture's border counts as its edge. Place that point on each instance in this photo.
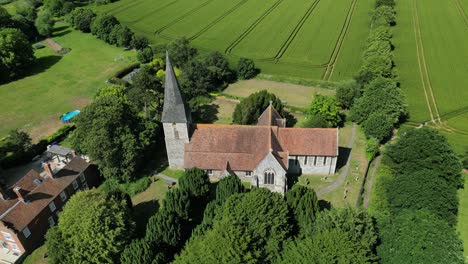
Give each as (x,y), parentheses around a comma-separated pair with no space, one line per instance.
(48,169)
(19,193)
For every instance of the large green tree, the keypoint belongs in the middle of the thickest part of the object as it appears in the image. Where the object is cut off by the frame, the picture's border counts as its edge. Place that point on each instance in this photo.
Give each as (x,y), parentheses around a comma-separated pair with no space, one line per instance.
(378,126)
(246,68)
(424,148)
(419,237)
(180,51)
(102,26)
(303,204)
(423,189)
(82,18)
(250,108)
(44,23)
(249,228)
(93,228)
(380,96)
(196,182)
(346,93)
(110,131)
(16,53)
(228,186)
(326,108)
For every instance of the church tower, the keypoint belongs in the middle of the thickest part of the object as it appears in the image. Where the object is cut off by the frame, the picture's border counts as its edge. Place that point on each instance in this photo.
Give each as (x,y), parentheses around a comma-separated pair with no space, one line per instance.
(176,119)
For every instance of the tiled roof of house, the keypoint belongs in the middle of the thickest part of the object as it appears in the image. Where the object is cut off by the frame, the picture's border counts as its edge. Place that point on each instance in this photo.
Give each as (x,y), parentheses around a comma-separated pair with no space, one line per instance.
(212,146)
(18,214)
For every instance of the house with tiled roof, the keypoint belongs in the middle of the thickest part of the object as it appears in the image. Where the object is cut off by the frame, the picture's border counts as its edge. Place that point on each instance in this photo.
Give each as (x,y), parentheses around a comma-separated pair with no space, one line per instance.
(32,205)
(263,154)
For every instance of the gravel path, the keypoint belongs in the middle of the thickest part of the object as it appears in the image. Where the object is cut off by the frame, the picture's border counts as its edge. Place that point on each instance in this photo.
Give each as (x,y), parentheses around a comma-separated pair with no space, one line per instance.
(344,172)
(166,178)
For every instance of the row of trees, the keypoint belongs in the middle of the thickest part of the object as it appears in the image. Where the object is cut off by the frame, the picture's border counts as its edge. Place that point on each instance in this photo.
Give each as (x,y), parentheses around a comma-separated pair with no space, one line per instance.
(419,204)
(374,98)
(107,28)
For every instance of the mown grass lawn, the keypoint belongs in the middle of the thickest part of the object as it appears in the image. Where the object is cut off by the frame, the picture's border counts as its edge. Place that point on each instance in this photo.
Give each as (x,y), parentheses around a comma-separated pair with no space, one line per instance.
(58,84)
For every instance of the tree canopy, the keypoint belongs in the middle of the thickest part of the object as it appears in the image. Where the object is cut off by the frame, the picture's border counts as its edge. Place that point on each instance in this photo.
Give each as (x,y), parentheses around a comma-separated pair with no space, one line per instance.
(180,51)
(228,186)
(250,108)
(326,108)
(93,228)
(246,68)
(303,203)
(16,53)
(110,131)
(419,237)
(240,233)
(424,148)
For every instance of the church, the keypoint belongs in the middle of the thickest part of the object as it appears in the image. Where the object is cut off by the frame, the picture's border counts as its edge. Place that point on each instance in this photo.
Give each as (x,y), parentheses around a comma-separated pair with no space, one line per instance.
(263,154)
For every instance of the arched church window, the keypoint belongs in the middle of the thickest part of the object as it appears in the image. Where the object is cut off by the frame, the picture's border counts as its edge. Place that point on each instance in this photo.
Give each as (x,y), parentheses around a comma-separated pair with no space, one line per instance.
(269,176)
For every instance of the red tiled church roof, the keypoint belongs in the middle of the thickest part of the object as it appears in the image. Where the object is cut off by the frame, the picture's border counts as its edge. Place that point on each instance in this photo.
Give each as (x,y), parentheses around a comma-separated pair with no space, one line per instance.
(211,146)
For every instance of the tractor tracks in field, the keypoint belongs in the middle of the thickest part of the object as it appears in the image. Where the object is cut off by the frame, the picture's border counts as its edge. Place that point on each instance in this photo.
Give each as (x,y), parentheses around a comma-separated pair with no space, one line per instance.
(295,31)
(423,72)
(461,10)
(144,16)
(181,17)
(251,27)
(217,20)
(339,44)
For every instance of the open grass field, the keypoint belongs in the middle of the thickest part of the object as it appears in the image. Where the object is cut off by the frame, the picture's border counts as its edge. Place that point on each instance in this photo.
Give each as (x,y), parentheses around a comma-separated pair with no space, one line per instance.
(431,40)
(58,84)
(462,226)
(290,94)
(302,38)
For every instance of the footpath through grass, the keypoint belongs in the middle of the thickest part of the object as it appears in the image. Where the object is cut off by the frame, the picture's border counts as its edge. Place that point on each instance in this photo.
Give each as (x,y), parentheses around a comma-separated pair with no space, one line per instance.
(58,84)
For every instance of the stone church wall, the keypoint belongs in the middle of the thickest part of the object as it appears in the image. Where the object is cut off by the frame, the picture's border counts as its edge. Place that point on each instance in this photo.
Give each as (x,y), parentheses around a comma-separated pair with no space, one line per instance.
(175,135)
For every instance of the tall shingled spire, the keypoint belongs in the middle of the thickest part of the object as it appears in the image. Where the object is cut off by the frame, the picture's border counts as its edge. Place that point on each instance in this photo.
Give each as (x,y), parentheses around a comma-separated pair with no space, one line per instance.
(174,110)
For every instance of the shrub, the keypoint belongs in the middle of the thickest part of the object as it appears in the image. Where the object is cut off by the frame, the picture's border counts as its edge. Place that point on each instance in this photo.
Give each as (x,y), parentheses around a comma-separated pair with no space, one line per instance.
(327,109)
(346,92)
(372,148)
(102,26)
(246,68)
(378,126)
(82,19)
(139,42)
(145,55)
(250,108)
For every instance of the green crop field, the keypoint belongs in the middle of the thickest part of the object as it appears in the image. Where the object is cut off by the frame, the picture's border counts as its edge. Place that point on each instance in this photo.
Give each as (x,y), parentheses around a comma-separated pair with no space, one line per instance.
(302,38)
(431,55)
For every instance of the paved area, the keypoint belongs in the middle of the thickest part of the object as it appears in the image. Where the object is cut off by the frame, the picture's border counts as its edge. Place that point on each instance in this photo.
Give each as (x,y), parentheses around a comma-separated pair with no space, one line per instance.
(341,178)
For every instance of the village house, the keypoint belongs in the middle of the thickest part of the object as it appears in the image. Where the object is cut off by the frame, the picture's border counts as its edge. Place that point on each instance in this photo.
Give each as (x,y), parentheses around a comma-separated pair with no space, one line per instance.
(32,205)
(263,154)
